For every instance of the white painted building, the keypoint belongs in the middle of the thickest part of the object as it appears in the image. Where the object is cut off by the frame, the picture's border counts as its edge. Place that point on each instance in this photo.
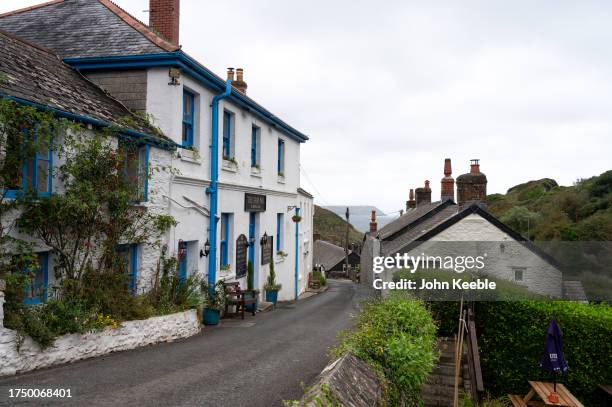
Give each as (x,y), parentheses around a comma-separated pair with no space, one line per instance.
(258,153)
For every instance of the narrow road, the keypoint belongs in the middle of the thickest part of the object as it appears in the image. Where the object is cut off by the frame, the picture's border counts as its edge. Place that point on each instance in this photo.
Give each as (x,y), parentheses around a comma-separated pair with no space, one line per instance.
(257,363)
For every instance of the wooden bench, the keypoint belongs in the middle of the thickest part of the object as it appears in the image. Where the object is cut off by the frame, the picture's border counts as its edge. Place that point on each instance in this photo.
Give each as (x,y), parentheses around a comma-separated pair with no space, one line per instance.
(313,283)
(238,298)
(517,401)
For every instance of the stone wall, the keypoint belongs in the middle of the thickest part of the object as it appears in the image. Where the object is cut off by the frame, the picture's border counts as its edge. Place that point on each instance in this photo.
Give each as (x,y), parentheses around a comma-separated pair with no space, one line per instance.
(347,381)
(73,347)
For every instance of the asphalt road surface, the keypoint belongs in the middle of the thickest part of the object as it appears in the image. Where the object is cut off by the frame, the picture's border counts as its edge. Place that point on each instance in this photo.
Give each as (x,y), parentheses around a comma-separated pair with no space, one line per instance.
(257,363)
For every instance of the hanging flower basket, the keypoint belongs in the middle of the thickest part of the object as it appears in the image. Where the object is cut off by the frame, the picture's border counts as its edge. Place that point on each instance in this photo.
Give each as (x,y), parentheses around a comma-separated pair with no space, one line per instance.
(296,218)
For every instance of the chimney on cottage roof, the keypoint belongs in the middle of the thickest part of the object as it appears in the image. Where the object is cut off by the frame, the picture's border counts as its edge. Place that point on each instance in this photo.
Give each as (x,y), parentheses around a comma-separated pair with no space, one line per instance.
(472,187)
(230,74)
(423,195)
(239,83)
(373,224)
(448,182)
(164,17)
(410,203)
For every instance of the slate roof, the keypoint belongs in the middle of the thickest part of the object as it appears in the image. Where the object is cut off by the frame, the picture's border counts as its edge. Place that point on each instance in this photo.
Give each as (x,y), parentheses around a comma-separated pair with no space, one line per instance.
(409,218)
(36,75)
(327,254)
(84,28)
(426,222)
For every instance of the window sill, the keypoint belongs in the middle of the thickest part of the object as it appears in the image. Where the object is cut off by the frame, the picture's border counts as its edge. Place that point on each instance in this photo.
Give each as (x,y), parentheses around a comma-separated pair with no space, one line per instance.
(189,156)
(229,166)
(226,272)
(256,172)
(279,259)
(281,179)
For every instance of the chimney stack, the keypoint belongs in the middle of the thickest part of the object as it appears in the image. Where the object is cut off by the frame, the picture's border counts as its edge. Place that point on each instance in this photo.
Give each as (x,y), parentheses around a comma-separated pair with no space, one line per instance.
(230,74)
(423,195)
(448,182)
(373,224)
(410,203)
(239,83)
(164,17)
(472,187)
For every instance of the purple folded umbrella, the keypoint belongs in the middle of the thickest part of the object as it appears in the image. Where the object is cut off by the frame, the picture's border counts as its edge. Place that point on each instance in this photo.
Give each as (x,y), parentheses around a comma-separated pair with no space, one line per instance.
(553,359)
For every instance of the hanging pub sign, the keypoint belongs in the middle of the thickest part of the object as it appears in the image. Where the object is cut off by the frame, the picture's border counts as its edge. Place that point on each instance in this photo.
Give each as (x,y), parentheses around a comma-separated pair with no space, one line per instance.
(254,203)
(241,256)
(267,246)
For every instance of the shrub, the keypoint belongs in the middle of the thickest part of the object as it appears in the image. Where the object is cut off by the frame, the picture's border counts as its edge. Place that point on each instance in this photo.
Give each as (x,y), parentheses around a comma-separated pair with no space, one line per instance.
(317,275)
(512,337)
(397,336)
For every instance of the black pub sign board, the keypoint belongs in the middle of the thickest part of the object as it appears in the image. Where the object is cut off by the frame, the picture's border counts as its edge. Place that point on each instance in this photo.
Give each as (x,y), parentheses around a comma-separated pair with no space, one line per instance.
(266,250)
(254,203)
(241,256)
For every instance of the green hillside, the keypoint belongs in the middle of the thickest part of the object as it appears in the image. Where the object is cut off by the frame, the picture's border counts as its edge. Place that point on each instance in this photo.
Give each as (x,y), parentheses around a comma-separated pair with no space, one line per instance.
(574,224)
(543,210)
(332,228)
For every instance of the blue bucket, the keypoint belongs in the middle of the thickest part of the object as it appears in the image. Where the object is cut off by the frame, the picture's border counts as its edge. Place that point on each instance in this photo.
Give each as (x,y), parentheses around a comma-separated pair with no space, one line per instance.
(211,316)
(272,296)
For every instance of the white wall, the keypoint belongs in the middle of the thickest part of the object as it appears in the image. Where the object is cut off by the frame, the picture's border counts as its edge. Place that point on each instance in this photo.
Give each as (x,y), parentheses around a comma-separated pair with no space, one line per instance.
(164,103)
(475,236)
(73,347)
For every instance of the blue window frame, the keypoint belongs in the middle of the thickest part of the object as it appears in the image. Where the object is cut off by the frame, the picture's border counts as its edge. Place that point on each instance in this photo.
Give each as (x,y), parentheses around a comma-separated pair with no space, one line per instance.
(188,118)
(36,291)
(35,173)
(254,146)
(280,162)
(279,231)
(136,168)
(225,236)
(128,255)
(228,130)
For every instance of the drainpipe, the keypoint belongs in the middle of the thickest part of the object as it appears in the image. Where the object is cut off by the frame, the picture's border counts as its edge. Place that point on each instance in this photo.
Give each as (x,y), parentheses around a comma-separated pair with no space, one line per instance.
(297,255)
(212,189)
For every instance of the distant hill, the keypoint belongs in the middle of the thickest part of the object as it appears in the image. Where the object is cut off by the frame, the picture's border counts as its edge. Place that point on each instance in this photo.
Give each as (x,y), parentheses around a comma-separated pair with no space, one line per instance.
(543,210)
(360,215)
(575,222)
(332,227)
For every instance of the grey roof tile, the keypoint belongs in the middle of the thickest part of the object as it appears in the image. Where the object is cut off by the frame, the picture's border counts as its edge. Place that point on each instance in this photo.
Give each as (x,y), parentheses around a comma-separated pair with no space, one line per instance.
(83,28)
(327,254)
(39,76)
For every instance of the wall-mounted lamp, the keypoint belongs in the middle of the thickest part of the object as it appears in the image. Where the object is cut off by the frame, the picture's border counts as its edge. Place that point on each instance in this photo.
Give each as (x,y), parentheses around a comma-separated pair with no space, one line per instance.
(182,249)
(174,74)
(264,239)
(206,250)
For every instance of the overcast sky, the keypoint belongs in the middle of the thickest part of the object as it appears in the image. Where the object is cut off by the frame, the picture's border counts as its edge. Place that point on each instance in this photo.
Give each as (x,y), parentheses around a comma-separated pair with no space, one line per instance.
(386,90)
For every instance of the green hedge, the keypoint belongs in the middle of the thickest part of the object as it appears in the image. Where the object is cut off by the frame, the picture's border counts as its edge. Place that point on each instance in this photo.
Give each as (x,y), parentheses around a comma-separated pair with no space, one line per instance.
(397,336)
(511,337)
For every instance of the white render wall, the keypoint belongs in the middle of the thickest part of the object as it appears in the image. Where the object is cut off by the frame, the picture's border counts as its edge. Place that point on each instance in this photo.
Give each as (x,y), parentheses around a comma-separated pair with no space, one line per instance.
(539,275)
(164,104)
(73,347)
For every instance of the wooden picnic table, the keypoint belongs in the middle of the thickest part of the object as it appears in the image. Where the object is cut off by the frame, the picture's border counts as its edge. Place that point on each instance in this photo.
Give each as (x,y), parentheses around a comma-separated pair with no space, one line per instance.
(543,390)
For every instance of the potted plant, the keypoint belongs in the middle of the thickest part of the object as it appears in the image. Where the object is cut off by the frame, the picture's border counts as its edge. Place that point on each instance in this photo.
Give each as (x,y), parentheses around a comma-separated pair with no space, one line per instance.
(251,287)
(214,299)
(271,287)
(296,218)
